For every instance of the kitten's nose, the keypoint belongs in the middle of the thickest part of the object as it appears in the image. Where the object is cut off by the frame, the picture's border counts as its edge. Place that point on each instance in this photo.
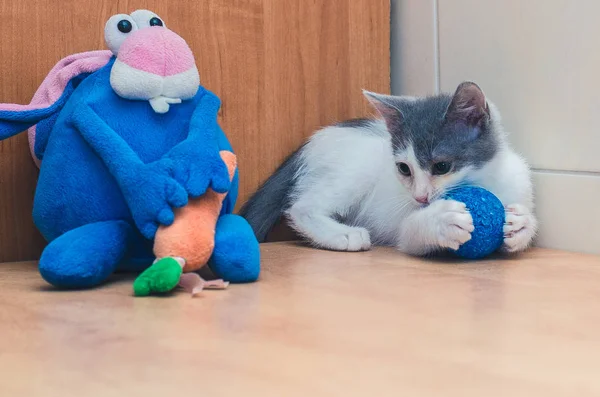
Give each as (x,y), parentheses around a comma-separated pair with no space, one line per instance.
(422,200)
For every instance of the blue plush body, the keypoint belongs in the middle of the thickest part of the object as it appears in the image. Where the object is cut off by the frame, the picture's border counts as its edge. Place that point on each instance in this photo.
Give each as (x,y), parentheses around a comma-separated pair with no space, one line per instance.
(488,218)
(74,177)
(104,189)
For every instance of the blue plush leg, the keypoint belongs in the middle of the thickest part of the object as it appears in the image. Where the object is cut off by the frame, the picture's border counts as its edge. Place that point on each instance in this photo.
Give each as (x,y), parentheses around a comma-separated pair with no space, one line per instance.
(139,254)
(86,256)
(236,256)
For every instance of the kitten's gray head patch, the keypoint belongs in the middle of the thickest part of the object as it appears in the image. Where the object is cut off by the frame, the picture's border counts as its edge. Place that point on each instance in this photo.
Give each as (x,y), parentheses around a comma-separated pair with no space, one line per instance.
(355,123)
(450,128)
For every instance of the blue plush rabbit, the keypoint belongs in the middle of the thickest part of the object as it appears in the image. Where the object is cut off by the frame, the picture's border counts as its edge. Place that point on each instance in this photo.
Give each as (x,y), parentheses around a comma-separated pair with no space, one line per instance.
(122,138)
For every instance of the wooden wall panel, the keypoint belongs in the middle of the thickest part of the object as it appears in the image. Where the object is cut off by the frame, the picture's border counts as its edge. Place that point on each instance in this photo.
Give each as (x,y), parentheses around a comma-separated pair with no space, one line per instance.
(281,68)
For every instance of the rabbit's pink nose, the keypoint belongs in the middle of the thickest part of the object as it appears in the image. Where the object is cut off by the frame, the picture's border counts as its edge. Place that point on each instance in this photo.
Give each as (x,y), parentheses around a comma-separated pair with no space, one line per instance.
(156,50)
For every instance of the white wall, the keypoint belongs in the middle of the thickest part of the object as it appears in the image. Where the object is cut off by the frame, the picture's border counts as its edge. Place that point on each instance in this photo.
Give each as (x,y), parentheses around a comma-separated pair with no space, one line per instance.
(539,62)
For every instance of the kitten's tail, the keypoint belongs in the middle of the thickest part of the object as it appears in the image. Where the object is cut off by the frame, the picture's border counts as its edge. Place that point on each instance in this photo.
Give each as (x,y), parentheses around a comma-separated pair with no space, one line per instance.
(265,207)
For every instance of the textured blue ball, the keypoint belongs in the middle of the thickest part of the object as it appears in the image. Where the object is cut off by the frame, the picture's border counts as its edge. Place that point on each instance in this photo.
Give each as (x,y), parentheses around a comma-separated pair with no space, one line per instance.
(488,218)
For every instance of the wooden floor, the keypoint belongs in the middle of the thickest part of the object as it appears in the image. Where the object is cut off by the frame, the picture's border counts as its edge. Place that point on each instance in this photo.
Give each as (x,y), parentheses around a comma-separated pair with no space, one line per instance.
(317,324)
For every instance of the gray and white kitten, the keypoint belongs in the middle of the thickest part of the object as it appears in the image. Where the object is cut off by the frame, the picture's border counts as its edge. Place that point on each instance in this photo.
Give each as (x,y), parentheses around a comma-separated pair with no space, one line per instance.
(366,182)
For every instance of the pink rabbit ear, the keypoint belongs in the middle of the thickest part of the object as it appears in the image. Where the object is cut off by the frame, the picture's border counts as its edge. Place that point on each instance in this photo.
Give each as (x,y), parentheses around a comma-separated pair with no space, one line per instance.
(67,68)
(54,85)
(49,98)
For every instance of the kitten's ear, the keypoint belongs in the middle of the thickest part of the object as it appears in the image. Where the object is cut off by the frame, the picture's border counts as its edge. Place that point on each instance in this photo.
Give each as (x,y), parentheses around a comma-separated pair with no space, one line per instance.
(468,105)
(387,106)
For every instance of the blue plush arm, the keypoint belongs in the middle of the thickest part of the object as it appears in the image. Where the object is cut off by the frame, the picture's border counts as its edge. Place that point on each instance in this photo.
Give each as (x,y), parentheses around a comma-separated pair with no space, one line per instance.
(197,163)
(149,190)
(204,120)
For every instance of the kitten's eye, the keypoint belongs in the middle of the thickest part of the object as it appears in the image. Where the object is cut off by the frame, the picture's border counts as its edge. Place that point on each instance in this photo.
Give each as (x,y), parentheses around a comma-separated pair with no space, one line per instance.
(441,168)
(404,169)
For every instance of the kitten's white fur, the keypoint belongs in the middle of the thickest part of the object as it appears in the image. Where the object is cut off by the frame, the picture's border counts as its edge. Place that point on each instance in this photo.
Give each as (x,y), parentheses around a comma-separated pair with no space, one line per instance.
(352,173)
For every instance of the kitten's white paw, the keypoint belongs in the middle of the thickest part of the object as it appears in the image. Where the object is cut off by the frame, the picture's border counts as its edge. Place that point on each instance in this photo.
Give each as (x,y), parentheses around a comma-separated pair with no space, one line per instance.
(353,239)
(453,223)
(519,229)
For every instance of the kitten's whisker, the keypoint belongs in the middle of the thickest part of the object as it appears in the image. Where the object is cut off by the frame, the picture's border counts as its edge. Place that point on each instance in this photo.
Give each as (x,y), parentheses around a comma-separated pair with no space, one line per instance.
(400,205)
(395,199)
(400,209)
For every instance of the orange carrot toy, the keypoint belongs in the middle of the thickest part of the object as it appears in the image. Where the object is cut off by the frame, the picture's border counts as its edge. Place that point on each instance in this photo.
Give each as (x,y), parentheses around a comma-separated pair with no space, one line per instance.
(186,246)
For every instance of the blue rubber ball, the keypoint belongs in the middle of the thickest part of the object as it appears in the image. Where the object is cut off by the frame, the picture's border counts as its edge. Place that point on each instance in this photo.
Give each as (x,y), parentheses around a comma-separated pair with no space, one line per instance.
(488,218)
